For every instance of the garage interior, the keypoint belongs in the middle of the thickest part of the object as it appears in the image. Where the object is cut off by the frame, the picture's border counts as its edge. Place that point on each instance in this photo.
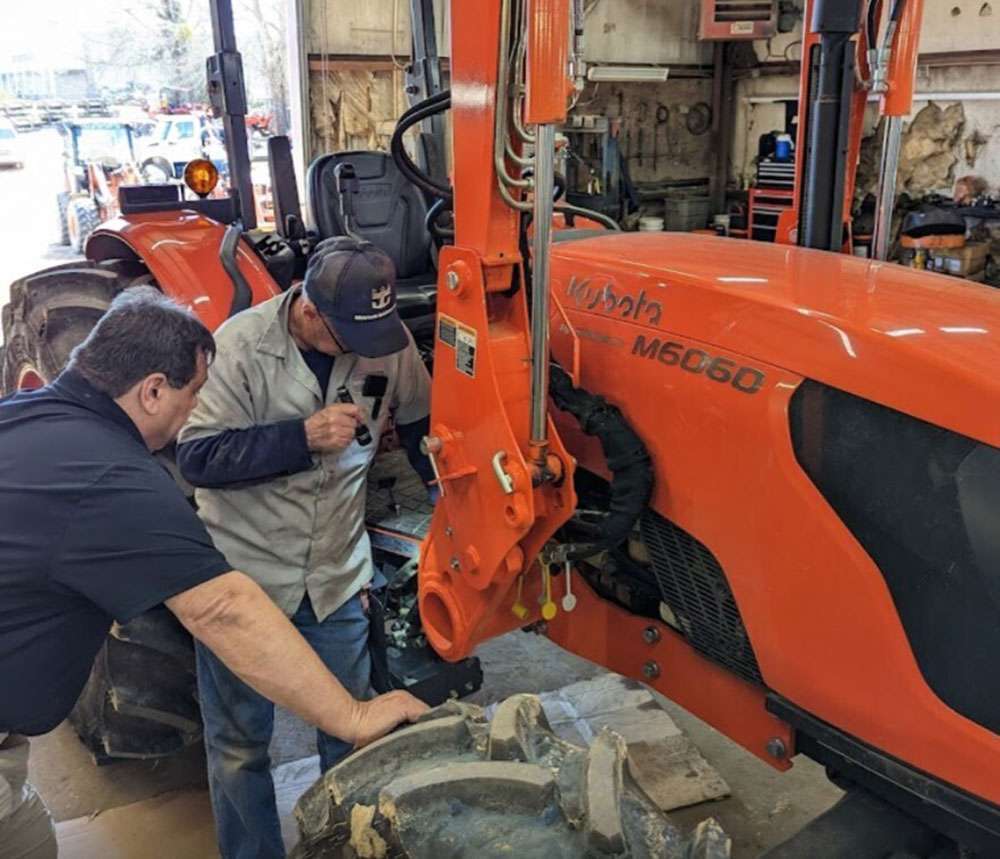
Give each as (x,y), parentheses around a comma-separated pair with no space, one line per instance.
(687,120)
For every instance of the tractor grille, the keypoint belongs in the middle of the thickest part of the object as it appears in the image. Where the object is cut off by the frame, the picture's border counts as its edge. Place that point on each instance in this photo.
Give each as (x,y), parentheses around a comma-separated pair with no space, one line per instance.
(727,11)
(694,586)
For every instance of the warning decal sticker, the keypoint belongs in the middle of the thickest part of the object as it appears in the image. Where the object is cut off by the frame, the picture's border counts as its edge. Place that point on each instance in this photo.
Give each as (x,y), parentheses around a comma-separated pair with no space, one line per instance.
(465,353)
(462,339)
(446,331)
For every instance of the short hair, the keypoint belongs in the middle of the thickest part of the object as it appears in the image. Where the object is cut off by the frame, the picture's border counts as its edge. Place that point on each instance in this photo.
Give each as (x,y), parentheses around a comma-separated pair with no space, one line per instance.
(143,332)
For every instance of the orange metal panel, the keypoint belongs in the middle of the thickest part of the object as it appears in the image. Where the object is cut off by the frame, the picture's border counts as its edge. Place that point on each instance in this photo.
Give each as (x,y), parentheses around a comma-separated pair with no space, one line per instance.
(903,62)
(548,84)
(817,610)
(482,220)
(181,250)
(610,636)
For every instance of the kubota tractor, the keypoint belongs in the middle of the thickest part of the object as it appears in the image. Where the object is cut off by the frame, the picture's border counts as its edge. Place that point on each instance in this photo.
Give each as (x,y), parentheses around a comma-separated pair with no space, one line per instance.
(761,478)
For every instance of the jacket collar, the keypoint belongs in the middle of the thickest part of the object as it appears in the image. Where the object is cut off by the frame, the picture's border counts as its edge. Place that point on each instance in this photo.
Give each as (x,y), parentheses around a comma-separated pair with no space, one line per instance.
(72,386)
(277,339)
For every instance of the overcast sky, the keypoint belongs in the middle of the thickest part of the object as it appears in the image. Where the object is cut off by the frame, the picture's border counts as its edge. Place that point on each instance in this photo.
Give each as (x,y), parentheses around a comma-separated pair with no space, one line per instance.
(50,30)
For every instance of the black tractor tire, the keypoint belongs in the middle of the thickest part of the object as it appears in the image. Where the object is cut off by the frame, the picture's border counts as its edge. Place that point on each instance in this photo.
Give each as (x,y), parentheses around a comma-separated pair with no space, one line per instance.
(62,203)
(140,699)
(454,785)
(82,218)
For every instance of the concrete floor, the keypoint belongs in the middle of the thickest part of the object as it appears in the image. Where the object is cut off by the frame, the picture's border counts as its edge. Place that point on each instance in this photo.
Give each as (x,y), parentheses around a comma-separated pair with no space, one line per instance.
(764,809)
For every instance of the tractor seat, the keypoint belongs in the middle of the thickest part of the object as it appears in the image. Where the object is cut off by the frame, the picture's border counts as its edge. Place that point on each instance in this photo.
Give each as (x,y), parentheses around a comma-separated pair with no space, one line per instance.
(364,194)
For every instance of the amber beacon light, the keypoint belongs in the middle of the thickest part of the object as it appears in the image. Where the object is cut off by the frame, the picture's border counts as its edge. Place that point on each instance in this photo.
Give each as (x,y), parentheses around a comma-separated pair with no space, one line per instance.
(201,176)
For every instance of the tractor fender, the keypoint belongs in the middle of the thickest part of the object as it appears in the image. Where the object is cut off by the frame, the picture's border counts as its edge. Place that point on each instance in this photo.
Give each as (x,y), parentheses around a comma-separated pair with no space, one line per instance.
(182,250)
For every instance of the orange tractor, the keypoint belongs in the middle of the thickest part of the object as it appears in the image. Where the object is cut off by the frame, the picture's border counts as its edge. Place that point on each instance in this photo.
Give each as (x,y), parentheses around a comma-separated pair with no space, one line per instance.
(761,478)
(98,158)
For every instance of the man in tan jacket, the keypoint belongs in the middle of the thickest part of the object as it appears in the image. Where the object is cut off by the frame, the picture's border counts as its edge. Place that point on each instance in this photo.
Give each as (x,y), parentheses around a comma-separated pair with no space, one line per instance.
(279,449)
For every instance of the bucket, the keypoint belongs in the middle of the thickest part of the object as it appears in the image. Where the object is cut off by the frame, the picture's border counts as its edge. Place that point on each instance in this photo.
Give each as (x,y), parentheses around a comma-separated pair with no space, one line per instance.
(650,225)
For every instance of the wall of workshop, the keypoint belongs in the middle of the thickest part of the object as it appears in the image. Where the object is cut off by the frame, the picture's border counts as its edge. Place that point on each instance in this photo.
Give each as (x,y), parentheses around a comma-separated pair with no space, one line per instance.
(355,104)
(656,151)
(358,50)
(644,31)
(950,139)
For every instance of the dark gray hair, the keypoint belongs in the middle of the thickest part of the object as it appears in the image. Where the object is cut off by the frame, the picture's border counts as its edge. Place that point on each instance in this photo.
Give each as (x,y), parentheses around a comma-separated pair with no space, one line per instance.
(143,332)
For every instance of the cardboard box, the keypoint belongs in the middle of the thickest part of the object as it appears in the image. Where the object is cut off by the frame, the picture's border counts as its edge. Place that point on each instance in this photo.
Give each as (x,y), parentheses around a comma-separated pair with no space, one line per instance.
(962,261)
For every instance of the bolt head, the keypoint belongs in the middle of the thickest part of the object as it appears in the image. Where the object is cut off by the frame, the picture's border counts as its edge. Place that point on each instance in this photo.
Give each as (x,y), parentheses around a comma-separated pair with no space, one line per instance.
(455,564)
(651,635)
(452,280)
(449,531)
(776,748)
(651,670)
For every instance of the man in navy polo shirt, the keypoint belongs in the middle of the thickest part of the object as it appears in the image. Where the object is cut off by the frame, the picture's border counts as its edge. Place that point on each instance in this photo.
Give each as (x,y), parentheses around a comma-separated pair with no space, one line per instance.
(93,529)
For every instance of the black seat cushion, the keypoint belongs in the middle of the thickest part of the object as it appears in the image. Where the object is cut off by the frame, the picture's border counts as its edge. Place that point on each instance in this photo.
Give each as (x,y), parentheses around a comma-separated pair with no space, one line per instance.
(387,210)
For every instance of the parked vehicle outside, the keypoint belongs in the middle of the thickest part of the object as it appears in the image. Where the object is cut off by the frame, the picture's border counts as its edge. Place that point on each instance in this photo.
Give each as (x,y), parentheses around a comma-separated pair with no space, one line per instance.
(11,147)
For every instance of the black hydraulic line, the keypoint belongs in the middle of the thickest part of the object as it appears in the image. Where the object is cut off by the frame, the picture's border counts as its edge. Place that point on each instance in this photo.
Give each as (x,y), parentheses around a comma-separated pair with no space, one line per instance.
(423,79)
(437,209)
(437,104)
(579,212)
(625,453)
(418,113)
(872,25)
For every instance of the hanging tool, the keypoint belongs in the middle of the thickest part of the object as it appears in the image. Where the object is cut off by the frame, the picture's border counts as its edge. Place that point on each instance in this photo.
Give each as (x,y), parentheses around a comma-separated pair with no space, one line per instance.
(569,601)
(519,609)
(662,117)
(643,113)
(549,609)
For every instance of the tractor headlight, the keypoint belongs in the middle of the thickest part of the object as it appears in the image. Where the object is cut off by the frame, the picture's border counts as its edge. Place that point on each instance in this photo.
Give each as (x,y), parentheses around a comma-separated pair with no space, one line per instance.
(201,176)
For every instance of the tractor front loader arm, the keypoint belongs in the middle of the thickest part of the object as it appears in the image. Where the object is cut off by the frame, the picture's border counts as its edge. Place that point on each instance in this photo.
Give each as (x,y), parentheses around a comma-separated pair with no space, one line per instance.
(505,478)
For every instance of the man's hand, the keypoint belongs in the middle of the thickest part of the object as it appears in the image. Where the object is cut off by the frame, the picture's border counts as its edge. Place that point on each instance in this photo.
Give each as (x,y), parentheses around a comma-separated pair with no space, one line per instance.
(332,428)
(375,718)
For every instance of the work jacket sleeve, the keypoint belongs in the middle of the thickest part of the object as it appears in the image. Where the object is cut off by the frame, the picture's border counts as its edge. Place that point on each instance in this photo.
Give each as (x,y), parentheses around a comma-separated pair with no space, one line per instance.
(238,457)
(411,405)
(223,445)
(412,397)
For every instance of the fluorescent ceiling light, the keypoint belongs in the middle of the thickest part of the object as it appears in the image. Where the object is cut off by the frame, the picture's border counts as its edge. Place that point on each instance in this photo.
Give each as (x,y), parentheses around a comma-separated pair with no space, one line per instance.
(647,74)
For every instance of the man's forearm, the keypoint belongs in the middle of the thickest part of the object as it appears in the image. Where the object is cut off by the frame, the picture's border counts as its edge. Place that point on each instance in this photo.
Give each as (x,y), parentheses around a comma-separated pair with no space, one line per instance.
(410,436)
(232,457)
(238,622)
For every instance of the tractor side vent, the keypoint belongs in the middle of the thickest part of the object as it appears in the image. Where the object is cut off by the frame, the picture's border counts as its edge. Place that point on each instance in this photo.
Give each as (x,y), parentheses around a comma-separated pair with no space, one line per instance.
(694,586)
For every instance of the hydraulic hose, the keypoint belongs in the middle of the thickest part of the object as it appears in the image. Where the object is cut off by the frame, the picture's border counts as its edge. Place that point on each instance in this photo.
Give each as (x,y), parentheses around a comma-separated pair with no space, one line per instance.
(416,114)
(437,209)
(626,456)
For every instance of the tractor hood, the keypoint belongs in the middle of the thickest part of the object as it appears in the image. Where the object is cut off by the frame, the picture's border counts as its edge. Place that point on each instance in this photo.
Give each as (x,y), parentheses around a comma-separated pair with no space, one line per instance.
(922,343)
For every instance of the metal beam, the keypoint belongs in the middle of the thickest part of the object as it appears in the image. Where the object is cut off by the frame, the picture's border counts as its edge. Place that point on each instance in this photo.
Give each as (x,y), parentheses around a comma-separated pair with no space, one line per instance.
(227,93)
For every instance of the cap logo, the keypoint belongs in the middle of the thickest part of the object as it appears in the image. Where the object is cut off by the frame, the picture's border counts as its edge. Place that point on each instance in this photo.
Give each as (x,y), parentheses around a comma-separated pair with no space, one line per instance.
(381,297)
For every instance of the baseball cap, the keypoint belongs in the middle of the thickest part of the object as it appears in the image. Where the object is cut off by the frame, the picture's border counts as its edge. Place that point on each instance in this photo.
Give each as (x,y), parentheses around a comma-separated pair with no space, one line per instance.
(353,285)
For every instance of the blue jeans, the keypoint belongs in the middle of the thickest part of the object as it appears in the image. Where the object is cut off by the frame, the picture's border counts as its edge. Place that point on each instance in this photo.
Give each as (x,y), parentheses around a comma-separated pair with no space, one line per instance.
(239,723)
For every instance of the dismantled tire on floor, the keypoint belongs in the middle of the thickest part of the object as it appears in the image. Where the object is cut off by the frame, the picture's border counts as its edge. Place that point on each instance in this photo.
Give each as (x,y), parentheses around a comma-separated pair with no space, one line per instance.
(139,701)
(455,785)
